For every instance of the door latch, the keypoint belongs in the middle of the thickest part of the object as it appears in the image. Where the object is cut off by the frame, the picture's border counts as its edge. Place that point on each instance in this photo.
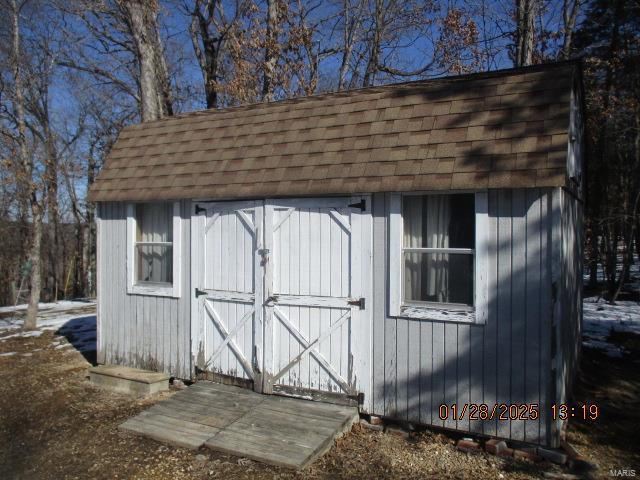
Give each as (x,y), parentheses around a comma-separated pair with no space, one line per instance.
(200,292)
(358,303)
(271,299)
(264,253)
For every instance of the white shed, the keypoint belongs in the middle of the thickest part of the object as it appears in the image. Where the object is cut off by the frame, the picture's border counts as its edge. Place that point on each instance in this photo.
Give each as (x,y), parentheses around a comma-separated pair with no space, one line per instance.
(400,248)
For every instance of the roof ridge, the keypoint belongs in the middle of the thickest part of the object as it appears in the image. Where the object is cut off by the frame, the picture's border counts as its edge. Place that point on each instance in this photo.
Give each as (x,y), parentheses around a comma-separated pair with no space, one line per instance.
(372,89)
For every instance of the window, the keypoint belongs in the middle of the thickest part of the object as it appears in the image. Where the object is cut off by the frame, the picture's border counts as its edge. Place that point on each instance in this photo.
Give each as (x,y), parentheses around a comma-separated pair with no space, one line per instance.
(154,251)
(153,243)
(438,249)
(434,256)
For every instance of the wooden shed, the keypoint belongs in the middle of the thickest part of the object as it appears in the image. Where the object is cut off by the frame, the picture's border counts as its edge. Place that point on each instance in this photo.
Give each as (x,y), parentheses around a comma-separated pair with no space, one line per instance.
(399,247)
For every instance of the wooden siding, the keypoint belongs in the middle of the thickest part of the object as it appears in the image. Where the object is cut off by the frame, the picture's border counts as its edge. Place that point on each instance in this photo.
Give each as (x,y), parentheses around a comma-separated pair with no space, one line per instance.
(141,331)
(570,297)
(420,364)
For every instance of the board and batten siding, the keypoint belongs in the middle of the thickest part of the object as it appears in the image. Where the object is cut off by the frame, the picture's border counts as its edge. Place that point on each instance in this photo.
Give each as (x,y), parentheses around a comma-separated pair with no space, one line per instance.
(420,364)
(569,327)
(141,331)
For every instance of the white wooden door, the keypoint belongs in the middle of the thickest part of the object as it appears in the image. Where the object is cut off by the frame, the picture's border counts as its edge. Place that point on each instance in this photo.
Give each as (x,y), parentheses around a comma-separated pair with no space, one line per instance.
(316,336)
(228,298)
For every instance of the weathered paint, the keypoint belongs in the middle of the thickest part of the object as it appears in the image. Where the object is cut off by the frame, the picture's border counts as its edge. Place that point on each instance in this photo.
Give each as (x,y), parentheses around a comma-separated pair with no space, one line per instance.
(148,332)
(518,356)
(420,364)
(569,328)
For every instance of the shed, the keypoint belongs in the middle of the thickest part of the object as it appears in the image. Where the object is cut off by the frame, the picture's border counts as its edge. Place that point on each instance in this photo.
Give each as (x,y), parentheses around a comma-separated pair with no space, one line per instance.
(400,247)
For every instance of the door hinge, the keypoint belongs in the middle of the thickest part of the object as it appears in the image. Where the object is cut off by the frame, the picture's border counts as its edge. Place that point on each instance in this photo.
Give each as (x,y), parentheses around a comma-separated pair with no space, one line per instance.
(362,205)
(200,292)
(200,209)
(358,303)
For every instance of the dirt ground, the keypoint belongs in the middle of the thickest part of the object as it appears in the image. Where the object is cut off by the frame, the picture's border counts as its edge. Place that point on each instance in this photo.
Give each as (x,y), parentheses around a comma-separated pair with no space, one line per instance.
(54,424)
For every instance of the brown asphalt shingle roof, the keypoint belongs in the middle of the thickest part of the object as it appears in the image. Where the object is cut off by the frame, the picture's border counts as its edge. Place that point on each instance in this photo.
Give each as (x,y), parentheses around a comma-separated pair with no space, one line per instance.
(502,129)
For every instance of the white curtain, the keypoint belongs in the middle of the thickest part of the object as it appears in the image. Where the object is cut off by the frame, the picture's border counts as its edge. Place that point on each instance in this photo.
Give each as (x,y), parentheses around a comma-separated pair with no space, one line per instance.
(426,221)
(154,224)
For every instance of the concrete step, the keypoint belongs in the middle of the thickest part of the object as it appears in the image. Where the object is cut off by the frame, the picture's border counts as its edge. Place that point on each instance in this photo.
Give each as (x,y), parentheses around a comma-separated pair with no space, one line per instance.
(139,383)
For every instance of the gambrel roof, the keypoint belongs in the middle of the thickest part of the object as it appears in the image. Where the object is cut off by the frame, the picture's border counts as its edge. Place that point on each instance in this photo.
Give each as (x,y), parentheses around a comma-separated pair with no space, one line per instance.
(502,129)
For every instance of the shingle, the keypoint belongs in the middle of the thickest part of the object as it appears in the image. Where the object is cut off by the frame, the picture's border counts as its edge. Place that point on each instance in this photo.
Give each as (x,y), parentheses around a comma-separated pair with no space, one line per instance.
(494,130)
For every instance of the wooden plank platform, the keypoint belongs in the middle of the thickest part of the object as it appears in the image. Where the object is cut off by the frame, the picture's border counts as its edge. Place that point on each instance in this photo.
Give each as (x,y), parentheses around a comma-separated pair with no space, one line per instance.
(271,429)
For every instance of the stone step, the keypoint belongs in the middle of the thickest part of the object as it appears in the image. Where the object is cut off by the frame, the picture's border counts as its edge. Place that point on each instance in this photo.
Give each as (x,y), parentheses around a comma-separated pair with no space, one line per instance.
(139,383)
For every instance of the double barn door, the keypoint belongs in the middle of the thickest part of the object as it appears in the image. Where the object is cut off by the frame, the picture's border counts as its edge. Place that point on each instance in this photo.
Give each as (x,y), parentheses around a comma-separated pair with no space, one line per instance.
(280,300)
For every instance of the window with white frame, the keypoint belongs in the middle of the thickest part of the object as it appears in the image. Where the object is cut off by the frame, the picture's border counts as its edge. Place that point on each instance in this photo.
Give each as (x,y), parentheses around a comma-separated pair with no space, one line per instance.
(438,248)
(434,256)
(153,260)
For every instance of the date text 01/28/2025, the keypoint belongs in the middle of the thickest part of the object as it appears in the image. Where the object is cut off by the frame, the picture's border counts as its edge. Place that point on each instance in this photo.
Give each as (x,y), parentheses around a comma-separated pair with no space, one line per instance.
(516,411)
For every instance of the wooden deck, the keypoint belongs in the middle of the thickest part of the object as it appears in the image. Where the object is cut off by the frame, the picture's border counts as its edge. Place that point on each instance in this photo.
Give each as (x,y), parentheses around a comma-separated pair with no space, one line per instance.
(277,430)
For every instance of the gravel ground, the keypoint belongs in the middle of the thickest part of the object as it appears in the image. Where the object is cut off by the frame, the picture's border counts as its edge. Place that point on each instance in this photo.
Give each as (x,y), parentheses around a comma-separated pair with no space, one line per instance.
(55,424)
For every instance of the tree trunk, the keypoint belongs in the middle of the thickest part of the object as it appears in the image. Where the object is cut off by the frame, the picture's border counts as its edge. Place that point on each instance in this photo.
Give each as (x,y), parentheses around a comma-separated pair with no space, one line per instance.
(162,71)
(271,48)
(374,48)
(30,321)
(25,182)
(51,181)
(526,11)
(143,25)
(213,41)
(351,25)
(569,15)
(593,257)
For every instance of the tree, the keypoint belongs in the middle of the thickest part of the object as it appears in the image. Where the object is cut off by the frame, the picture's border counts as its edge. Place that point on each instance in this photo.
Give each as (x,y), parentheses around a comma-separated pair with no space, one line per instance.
(210,28)
(570,10)
(271,50)
(609,39)
(526,11)
(23,164)
(155,92)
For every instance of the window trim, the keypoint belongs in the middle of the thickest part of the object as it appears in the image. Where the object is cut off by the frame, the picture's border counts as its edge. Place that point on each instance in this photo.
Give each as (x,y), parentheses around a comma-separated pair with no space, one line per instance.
(434,311)
(169,290)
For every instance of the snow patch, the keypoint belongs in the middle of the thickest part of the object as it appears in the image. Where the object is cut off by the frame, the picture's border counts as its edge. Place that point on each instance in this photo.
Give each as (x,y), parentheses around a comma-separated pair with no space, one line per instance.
(600,319)
(45,307)
(27,334)
(74,323)
(7,354)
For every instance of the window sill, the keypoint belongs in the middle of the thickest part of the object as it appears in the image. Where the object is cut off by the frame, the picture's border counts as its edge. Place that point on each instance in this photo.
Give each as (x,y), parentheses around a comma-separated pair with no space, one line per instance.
(439,314)
(153,290)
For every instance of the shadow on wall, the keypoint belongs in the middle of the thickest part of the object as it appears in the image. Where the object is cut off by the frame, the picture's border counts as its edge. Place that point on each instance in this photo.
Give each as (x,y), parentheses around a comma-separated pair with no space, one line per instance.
(507,360)
(80,332)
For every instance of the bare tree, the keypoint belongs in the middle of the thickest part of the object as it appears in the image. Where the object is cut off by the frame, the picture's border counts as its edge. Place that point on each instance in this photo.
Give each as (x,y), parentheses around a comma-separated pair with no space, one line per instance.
(352,16)
(24,166)
(526,11)
(270,51)
(155,92)
(570,9)
(210,29)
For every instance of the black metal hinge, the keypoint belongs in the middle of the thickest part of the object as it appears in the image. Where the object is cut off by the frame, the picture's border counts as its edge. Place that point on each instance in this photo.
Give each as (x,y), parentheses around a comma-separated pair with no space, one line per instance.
(200,292)
(362,205)
(359,303)
(200,209)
